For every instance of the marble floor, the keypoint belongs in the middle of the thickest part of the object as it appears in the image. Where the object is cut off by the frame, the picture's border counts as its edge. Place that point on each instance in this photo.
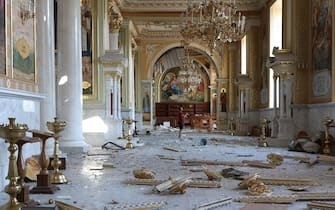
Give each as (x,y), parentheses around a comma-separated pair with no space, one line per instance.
(94,187)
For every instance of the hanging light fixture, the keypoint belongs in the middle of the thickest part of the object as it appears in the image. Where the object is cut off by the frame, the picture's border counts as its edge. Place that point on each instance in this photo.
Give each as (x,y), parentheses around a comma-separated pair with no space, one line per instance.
(213,21)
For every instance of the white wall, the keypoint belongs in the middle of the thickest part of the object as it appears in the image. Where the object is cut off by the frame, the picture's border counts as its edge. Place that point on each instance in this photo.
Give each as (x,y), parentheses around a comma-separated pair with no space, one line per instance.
(25,108)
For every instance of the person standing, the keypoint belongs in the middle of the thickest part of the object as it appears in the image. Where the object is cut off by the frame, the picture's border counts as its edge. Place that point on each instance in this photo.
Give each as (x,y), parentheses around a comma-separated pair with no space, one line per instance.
(181,120)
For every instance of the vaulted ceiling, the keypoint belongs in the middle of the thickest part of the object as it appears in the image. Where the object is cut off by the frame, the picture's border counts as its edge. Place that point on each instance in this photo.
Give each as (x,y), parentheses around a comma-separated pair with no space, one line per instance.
(160,19)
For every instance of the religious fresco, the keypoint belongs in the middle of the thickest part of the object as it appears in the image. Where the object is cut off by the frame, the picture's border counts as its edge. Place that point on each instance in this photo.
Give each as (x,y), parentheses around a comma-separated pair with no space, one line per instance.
(2,38)
(23,21)
(322,16)
(182,86)
(146,98)
(86,47)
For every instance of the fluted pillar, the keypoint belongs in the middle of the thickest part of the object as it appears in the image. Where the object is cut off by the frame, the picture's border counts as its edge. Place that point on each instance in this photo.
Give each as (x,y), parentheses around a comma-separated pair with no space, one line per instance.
(46,63)
(69,73)
(232,102)
(274,123)
(284,65)
(115,23)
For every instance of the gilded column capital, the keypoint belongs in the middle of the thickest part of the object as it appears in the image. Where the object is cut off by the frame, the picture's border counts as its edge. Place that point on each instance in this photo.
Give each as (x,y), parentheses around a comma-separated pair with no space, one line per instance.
(115,18)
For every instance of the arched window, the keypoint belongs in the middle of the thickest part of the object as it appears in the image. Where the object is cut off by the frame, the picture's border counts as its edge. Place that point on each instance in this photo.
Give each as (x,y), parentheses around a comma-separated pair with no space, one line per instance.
(276,29)
(244,55)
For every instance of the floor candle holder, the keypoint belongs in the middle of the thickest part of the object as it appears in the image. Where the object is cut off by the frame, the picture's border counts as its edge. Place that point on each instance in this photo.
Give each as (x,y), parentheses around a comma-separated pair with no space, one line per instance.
(129,145)
(326,149)
(43,182)
(12,133)
(56,127)
(262,139)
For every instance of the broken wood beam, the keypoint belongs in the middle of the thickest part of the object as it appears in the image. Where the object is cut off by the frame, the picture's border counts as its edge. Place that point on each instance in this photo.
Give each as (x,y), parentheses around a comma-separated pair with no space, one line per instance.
(267,199)
(307,196)
(174,149)
(320,205)
(214,204)
(289,182)
(209,162)
(178,184)
(193,183)
(258,164)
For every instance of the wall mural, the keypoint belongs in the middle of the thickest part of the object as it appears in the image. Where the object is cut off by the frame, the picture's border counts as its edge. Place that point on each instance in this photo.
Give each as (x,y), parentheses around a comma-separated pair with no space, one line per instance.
(322,46)
(2,38)
(86,44)
(23,21)
(182,86)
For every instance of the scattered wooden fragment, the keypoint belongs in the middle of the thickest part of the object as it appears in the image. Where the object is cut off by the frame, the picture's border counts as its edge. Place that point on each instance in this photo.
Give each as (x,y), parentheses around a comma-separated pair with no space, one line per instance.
(299,158)
(108,165)
(211,174)
(256,163)
(267,199)
(174,149)
(214,204)
(144,173)
(138,206)
(209,162)
(166,157)
(174,185)
(320,205)
(65,206)
(288,182)
(306,196)
(193,183)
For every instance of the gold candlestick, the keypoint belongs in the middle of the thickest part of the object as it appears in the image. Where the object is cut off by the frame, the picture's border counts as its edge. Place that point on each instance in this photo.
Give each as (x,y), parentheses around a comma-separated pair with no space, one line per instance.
(56,127)
(129,145)
(232,127)
(12,133)
(262,139)
(123,130)
(326,150)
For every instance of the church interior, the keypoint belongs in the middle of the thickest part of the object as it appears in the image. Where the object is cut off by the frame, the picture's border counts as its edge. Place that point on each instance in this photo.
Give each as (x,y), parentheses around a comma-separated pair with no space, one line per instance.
(92,91)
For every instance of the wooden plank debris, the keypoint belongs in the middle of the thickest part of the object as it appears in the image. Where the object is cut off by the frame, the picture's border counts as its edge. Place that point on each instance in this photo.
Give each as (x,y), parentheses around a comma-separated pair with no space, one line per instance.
(258,164)
(174,185)
(174,149)
(307,196)
(214,204)
(289,182)
(65,206)
(193,183)
(320,205)
(138,206)
(268,199)
(209,162)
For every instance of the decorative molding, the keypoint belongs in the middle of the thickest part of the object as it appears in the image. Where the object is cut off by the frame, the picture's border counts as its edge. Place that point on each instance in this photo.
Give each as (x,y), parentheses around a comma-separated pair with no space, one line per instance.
(9,93)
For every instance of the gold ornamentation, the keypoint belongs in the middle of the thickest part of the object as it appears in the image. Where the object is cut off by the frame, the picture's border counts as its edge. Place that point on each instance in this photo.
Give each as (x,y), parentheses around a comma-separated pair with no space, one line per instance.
(56,127)
(275,159)
(12,133)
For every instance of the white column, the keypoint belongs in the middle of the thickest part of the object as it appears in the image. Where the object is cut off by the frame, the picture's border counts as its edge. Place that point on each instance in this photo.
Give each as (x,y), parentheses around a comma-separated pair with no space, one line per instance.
(108,99)
(69,74)
(46,63)
(274,128)
(118,87)
(113,41)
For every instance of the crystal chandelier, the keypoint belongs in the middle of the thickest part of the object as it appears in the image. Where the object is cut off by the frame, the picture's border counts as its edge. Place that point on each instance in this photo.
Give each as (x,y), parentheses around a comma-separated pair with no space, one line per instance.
(213,21)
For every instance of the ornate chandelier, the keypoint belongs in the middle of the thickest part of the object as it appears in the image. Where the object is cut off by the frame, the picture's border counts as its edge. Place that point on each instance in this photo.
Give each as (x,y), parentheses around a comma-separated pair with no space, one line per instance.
(213,21)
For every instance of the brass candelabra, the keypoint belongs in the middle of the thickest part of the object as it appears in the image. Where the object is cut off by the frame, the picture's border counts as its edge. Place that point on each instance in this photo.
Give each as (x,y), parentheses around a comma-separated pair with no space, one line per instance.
(56,127)
(12,133)
(129,145)
(262,139)
(232,126)
(327,121)
(123,130)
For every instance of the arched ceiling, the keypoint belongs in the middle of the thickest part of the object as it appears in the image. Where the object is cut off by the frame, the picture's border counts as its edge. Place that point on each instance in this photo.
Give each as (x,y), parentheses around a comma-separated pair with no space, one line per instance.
(160,19)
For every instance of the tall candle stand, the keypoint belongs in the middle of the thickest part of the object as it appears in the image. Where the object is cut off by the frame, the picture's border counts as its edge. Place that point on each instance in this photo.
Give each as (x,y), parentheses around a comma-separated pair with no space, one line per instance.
(23,196)
(56,127)
(129,145)
(326,150)
(232,126)
(262,139)
(43,182)
(12,133)
(123,130)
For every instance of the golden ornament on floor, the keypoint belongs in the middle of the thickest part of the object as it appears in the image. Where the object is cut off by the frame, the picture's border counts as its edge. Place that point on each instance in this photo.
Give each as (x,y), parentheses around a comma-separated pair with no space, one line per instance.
(275,159)
(258,189)
(12,133)
(56,127)
(144,173)
(249,181)
(262,139)
(211,174)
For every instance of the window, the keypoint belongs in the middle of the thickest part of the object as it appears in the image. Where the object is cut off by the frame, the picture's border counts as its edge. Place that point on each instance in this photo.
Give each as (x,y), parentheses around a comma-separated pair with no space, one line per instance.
(244,55)
(276,29)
